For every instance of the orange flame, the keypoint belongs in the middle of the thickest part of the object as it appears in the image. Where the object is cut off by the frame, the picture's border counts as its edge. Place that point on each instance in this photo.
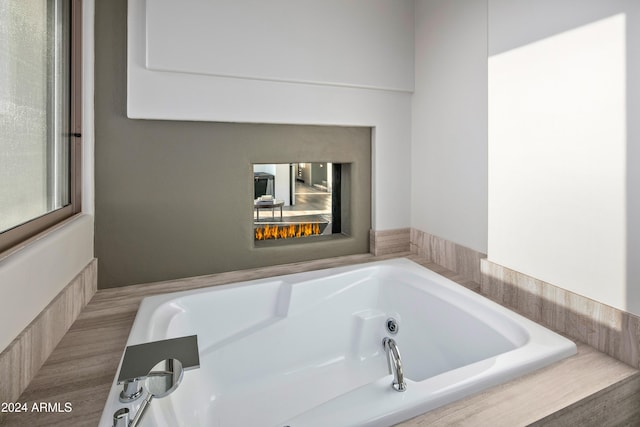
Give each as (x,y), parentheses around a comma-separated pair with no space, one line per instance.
(286,232)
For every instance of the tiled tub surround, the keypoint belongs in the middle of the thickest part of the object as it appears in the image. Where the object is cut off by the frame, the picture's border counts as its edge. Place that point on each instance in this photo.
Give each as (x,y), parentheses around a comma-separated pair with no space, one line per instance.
(389,241)
(451,256)
(607,329)
(81,368)
(21,360)
(553,397)
(336,373)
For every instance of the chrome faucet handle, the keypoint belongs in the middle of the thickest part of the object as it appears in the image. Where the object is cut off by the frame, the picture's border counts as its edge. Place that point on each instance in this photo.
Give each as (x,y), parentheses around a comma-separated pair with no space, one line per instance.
(131,390)
(162,380)
(121,418)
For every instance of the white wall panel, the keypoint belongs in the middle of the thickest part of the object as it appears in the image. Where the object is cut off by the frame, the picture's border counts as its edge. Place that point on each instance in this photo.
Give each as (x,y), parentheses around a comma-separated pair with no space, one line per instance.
(361,43)
(558,142)
(449,148)
(170,95)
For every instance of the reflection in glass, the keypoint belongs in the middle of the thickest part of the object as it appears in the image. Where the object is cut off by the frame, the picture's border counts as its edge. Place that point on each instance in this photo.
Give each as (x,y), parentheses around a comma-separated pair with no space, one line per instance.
(34,109)
(292,200)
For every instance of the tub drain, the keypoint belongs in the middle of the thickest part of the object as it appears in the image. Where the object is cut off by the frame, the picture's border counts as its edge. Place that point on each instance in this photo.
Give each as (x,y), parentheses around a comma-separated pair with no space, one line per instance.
(392,326)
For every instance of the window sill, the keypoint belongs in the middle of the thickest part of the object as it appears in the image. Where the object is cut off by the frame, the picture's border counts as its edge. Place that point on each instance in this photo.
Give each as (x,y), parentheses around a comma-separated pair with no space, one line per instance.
(42,235)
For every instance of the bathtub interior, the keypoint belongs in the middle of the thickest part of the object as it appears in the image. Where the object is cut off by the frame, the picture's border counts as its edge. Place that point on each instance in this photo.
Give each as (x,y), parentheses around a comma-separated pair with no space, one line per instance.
(277,349)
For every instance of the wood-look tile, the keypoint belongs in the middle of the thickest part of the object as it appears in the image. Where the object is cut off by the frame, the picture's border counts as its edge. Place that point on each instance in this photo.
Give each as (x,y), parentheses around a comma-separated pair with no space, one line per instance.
(24,356)
(612,331)
(616,405)
(452,256)
(630,339)
(81,368)
(389,241)
(527,399)
(554,315)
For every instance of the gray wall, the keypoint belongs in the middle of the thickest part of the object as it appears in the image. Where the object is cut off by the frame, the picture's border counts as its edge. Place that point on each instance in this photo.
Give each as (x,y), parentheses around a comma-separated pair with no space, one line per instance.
(173,199)
(318,173)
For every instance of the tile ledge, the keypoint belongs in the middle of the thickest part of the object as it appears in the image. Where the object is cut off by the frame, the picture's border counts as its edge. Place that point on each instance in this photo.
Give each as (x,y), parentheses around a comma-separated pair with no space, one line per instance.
(519,402)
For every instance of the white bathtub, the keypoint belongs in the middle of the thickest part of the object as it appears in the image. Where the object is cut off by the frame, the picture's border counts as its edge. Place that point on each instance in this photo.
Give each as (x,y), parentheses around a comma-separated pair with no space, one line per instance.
(306,349)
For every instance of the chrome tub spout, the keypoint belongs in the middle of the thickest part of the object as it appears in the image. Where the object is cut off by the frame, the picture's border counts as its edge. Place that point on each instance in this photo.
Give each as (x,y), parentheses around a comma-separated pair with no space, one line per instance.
(395,364)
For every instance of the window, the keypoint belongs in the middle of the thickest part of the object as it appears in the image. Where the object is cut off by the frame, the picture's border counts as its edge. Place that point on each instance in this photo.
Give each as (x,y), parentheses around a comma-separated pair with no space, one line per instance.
(300,202)
(40,121)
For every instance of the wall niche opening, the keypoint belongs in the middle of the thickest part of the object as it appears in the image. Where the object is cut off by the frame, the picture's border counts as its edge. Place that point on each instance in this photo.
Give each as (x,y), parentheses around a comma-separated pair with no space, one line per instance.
(300,202)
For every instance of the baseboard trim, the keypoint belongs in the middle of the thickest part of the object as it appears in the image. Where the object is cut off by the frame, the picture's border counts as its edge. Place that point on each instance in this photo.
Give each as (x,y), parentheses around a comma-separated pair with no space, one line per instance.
(389,241)
(607,329)
(450,255)
(24,356)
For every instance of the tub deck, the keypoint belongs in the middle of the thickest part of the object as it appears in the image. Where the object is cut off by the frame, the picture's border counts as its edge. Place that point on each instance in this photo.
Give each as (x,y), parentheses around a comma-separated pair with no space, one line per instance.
(589,388)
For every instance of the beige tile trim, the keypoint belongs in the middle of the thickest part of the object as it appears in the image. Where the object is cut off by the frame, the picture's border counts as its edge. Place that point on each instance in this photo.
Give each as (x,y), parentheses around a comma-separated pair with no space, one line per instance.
(616,405)
(22,359)
(607,329)
(429,248)
(452,256)
(389,241)
(559,388)
(93,347)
